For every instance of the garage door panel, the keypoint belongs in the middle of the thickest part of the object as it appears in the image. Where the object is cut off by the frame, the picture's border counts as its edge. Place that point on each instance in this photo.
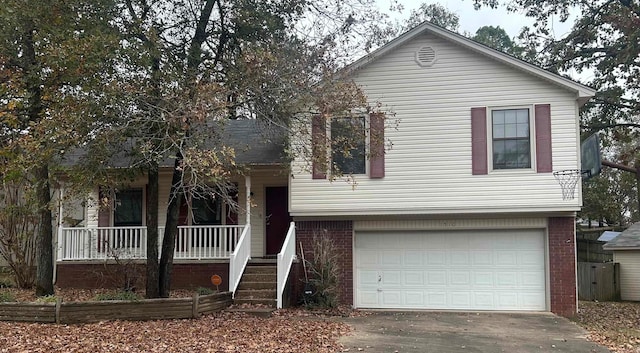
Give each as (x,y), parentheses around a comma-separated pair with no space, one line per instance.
(413,278)
(414,258)
(483,270)
(483,279)
(391,257)
(367,277)
(459,258)
(459,278)
(482,258)
(367,258)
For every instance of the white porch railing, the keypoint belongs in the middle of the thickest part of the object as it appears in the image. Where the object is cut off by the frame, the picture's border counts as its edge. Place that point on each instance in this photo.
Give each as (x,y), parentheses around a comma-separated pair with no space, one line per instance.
(239,259)
(285,260)
(101,243)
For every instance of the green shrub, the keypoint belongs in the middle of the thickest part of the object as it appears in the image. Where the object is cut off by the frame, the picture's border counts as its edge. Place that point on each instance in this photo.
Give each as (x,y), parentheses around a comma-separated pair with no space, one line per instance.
(121,295)
(47,299)
(7,297)
(204,291)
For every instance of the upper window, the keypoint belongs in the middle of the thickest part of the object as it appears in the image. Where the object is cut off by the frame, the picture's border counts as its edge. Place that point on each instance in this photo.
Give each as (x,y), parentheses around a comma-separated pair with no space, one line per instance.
(348,140)
(128,208)
(511,138)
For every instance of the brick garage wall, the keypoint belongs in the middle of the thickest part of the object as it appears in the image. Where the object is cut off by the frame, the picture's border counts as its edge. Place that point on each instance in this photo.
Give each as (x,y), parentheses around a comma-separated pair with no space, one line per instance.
(184,276)
(562,265)
(341,232)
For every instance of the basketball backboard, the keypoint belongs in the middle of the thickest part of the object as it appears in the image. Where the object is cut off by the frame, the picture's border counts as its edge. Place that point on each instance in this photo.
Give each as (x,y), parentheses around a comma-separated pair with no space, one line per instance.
(591,157)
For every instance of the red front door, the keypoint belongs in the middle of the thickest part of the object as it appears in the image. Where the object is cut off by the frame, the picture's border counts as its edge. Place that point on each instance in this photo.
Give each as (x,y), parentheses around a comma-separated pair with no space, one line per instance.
(277,218)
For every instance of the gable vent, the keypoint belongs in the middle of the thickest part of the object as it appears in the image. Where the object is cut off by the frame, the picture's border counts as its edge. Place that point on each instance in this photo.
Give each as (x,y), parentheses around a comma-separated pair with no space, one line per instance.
(426,56)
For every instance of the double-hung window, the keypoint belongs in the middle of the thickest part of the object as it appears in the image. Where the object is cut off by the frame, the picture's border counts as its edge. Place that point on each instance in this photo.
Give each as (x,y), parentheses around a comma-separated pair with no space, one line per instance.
(511,134)
(128,208)
(348,145)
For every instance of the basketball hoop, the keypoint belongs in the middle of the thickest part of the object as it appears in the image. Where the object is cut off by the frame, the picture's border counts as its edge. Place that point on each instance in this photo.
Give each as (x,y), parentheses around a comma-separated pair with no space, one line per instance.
(568,179)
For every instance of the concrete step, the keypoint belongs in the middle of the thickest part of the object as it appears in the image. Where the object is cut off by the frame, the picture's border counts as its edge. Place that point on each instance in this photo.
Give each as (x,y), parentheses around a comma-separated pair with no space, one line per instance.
(256,294)
(268,302)
(261,269)
(257,285)
(259,312)
(260,277)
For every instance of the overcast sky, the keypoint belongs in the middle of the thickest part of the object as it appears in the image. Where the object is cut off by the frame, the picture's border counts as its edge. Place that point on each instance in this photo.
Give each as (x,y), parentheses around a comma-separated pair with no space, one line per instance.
(471,20)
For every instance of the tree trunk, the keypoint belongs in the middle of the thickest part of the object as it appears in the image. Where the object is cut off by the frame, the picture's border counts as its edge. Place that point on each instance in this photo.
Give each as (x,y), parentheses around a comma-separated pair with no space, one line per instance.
(152,288)
(171,229)
(44,242)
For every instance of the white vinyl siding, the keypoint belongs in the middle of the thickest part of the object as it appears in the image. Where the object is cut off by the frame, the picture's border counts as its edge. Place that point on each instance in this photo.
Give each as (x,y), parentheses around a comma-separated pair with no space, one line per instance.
(629,269)
(428,168)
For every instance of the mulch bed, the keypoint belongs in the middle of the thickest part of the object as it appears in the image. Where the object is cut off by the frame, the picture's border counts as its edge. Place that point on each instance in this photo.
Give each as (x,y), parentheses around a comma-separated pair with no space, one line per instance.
(74,294)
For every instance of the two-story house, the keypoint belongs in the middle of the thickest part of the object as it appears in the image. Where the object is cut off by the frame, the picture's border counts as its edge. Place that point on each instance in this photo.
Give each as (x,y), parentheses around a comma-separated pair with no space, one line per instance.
(462,212)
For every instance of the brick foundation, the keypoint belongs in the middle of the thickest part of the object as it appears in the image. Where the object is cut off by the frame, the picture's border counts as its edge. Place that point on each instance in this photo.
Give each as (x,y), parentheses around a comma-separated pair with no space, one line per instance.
(184,276)
(562,266)
(341,232)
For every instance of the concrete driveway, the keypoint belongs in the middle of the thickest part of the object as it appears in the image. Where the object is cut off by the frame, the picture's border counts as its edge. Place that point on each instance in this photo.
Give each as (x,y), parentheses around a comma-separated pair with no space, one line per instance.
(442,332)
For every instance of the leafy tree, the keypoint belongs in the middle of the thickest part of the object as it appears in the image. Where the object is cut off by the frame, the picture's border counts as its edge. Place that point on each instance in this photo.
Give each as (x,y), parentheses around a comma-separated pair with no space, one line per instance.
(189,66)
(497,38)
(434,13)
(50,55)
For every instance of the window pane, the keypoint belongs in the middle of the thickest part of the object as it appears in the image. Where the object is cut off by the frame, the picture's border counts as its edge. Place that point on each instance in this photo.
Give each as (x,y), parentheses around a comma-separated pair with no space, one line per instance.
(510,130)
(348,145)
(206,211)
(523,116)
(128,208)
(510,117)
(498,116)
(524,160)
(498,131)
(523,130)
(498,154)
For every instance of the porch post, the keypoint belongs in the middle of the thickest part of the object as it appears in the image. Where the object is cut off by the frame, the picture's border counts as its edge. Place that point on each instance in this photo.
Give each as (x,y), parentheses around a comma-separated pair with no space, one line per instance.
(247,185)
(58,253)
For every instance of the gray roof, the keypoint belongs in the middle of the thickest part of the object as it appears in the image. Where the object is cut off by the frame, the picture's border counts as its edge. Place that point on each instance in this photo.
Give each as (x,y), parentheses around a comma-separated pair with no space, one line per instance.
(256,143)
(627,240)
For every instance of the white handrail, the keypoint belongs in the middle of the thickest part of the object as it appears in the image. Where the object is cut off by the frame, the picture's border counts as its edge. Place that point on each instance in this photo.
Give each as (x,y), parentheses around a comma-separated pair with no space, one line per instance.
(239,259)
(285,260)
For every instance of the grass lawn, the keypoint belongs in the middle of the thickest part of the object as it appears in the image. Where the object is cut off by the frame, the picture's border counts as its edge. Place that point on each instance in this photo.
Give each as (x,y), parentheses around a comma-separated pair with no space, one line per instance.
(612,324)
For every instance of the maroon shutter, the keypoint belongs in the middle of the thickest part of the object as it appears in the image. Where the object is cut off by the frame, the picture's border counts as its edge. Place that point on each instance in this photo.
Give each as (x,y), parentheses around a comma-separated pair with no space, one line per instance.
(318,147)
(479,141)
(543,138)
(104,211)
(376,143)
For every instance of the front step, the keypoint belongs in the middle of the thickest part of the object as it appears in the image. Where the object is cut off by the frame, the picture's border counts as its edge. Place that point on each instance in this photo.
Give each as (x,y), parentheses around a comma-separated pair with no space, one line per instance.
(258,285)
(255,293)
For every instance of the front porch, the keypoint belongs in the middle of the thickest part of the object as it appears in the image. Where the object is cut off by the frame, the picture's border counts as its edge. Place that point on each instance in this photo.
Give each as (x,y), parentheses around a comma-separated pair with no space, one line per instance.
(200,252)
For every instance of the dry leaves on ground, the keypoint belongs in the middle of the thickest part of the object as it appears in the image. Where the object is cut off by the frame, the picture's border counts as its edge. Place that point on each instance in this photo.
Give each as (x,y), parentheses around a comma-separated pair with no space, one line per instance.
(222,332)
(612,324)
(75,294)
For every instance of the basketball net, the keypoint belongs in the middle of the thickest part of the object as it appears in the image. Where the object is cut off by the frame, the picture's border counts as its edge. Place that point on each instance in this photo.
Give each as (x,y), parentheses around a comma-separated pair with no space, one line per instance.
(568,179)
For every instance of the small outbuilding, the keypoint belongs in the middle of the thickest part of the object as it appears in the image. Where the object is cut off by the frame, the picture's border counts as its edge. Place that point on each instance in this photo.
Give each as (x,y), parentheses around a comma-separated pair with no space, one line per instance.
(626,252)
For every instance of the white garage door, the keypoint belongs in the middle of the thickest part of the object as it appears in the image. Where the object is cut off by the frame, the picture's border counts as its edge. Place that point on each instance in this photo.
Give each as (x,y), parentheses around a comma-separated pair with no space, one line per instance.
(468,270)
